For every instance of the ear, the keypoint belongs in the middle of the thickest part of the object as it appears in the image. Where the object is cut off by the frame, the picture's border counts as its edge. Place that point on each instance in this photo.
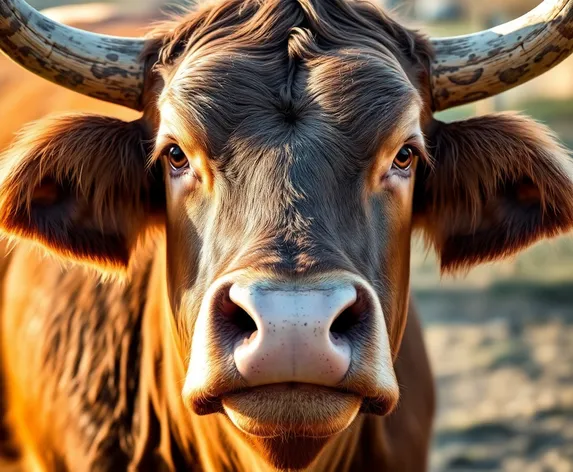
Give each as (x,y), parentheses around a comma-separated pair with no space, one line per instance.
(499,183)
(79,186)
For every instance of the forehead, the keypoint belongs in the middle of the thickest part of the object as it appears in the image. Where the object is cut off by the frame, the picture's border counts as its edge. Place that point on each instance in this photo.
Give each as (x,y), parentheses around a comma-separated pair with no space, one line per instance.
(269,89)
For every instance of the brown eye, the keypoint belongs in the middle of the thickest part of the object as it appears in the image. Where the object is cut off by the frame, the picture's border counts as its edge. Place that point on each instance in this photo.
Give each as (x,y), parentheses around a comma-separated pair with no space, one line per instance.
(177,158)
(405,157)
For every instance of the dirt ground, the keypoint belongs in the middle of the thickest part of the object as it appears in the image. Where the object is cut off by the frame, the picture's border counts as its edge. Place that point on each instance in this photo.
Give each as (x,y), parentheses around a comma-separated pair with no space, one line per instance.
(503,362)
(500,344)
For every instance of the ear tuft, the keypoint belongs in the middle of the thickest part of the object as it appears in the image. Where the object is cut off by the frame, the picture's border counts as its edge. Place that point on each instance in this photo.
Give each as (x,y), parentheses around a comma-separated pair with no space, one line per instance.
(79,186)
(500,183)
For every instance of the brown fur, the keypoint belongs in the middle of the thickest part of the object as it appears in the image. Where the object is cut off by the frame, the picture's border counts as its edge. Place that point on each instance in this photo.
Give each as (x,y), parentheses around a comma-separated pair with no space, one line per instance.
(502,181)
(7,446)
(90,172)
(290,101)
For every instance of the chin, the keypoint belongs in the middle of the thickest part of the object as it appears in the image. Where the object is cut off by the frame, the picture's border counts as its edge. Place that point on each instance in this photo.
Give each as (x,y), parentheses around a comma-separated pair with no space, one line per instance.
(289,424)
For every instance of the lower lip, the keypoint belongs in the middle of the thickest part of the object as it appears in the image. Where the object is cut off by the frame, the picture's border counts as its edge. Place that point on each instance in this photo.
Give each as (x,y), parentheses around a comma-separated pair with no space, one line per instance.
(302,410)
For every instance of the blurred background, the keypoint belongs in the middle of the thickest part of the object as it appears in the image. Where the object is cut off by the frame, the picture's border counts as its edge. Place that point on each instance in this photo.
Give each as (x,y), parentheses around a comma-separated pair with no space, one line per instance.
(500,337)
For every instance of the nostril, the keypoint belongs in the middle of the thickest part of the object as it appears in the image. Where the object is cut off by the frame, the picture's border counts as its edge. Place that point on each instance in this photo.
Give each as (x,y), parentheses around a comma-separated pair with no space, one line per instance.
(345,322)
(351,317)
(236,317)
(241,320)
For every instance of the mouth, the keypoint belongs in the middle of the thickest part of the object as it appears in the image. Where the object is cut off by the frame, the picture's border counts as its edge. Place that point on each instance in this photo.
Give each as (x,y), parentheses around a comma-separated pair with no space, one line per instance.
(291,409)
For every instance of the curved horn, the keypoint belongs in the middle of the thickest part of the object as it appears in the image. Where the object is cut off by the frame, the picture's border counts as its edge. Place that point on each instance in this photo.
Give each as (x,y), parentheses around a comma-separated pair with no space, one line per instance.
(104,67)
(475,66)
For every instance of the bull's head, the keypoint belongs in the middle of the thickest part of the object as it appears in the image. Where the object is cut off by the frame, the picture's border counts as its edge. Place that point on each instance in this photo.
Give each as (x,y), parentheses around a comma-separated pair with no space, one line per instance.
(288,149)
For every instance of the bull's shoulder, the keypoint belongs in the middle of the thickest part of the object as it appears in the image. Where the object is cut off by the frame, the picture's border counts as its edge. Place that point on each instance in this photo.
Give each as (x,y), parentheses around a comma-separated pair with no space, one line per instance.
(84,340)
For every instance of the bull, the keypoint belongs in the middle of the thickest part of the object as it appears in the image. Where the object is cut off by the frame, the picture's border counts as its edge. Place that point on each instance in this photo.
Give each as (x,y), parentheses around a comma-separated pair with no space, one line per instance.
(230,286)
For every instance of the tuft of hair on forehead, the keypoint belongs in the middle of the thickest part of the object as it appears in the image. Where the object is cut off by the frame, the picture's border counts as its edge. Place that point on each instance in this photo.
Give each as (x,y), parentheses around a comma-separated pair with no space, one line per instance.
(333,23)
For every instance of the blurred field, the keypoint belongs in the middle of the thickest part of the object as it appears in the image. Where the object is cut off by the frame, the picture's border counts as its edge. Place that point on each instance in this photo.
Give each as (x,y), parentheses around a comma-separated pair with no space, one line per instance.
(501,337)
(500,343)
